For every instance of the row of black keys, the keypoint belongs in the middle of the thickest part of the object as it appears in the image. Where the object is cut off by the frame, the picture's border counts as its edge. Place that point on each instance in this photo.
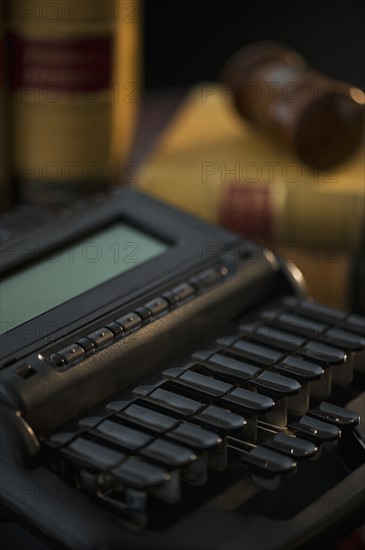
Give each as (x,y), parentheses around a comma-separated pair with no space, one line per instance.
(173,426)
(140,447)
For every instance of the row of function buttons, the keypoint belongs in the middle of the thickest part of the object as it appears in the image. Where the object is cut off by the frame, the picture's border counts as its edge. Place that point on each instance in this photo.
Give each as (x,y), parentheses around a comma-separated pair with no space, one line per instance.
(225,396)
(133,320)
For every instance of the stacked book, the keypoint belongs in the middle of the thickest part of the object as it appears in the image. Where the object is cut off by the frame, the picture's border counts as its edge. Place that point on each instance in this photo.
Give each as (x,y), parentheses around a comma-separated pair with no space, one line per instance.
(72,94)
(215,165)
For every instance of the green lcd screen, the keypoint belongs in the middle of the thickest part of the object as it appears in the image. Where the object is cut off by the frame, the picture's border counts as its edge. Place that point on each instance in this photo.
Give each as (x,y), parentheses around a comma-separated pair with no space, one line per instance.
(72,270)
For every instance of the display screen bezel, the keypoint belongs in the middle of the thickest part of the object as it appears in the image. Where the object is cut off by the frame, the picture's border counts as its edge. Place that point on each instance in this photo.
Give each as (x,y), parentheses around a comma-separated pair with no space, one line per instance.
(189,241)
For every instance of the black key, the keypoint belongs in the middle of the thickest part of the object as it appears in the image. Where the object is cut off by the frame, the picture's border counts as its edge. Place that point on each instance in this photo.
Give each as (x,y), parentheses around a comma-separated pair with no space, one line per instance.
(175,403)
(341,417)
(296,324)
(275,385)
(316,311)
(171,298)
(139,474)
(277,338)
(168,454)
(315,430)
(157,305)
(300,370)
(257,353)
(344,339)
(248,328)
(208,277)
(220,420)
(195,437)
(182,291)
(59,439)
(86,344)
(115,327)
(270,314)
(101,337)
(147,419)
(292,446)
(324,355)
(130,321)
(231,369)
(24,370)
(117,406)
(204,354)
(249,402)
(128,438)
(91,455)
(226,341)
(143,312)
(68,355)
(267,463)
(174,372)
(355,323)
(202,385)
(89,422)
(143,391)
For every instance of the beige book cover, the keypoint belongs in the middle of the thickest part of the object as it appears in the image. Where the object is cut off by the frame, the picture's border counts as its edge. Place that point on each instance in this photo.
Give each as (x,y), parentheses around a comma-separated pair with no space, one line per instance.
(213,164)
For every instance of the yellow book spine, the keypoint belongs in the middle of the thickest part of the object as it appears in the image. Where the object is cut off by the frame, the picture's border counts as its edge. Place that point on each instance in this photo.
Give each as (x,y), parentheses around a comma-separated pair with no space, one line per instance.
(220,168)
(73,102)
(279,212)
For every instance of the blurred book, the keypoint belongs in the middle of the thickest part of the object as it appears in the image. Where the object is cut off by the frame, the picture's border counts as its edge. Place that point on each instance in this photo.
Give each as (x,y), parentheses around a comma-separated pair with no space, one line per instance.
(74,89)
(4,181)
(213,164)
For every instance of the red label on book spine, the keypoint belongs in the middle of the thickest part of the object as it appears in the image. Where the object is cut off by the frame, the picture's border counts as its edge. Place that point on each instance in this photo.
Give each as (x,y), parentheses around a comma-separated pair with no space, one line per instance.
(65,63)
(246,208)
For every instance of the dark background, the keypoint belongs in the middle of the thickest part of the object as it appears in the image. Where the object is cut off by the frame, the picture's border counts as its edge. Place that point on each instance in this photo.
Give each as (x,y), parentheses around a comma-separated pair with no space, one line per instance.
(189,41)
